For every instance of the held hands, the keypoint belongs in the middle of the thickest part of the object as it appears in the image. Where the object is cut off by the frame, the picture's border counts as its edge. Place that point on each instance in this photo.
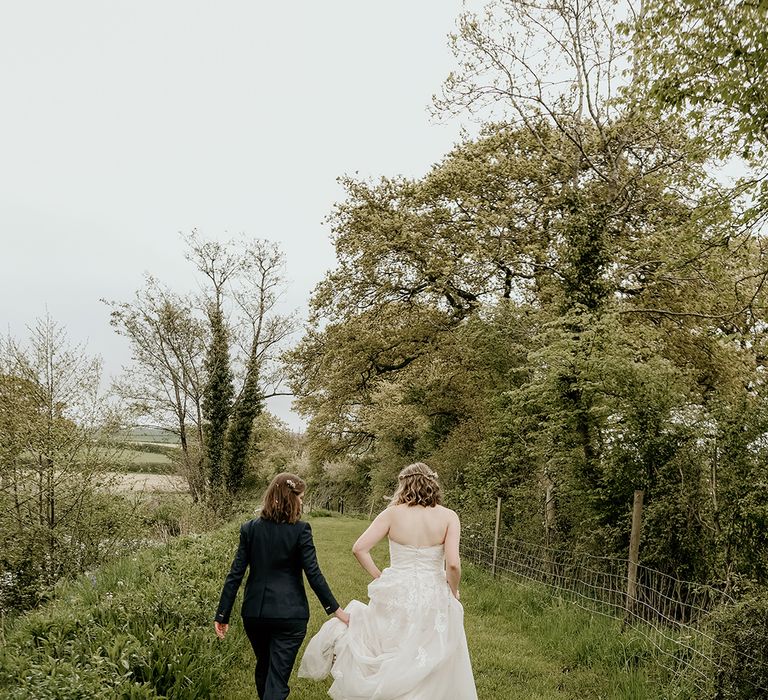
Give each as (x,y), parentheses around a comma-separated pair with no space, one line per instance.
(221,630)
(342,615)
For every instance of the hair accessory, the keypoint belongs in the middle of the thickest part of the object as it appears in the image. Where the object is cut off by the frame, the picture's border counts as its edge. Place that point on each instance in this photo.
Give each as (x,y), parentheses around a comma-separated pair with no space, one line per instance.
(290,483)
(429,475)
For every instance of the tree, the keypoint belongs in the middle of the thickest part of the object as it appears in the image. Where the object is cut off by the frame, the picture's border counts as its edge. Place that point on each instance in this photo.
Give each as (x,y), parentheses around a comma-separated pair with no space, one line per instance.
(637,222)
(710,62)
(581,240)
(55,431)
(206,364)
(218,265)
(265,330)
(707,64)
(249,277)
(165,385)
(217,402)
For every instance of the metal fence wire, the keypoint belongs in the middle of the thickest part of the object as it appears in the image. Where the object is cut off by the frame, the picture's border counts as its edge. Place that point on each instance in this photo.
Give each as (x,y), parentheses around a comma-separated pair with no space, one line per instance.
(671,614)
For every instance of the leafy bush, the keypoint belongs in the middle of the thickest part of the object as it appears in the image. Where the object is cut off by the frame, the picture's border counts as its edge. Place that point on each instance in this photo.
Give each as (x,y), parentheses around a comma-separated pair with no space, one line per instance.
(172,516)
(35,557)
(139,628)
(742,671)
(322,513)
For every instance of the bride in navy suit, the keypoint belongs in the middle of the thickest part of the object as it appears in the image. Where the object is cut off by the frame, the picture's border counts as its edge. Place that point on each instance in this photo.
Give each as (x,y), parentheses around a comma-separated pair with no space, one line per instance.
(277,547)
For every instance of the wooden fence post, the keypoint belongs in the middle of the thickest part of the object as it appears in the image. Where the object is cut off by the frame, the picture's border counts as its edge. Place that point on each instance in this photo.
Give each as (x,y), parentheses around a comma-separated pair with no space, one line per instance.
(496,536)
(634,552)
(549,512)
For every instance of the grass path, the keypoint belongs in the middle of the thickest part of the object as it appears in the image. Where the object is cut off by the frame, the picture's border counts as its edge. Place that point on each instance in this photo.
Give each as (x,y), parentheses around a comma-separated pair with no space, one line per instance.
(524,643)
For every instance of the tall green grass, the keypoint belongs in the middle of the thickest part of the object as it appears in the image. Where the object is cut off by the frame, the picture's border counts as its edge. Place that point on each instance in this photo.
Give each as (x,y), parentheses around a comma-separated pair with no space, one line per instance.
(141,628)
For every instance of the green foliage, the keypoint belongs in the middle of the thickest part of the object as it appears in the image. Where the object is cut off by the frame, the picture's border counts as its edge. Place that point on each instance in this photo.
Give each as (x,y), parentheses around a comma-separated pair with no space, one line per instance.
(274,448)
(244,281)
(245,410)
(217,402)
(55,460)
(333,484)
(512,375)
(742,668)
(34,558)
(565,309)
(708,63)
(138,628)
(165,517)
(711,60)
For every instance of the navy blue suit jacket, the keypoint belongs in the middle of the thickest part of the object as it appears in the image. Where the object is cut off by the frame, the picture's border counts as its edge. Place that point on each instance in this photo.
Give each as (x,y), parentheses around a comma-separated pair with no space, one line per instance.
(276,553)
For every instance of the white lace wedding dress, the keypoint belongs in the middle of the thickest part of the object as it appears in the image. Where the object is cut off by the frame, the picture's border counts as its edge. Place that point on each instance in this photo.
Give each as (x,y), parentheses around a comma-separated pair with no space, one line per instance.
(408,643)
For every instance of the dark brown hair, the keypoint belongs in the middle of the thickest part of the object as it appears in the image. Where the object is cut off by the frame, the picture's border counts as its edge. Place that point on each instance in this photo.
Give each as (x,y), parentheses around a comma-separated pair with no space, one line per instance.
(281,499)
(417,485)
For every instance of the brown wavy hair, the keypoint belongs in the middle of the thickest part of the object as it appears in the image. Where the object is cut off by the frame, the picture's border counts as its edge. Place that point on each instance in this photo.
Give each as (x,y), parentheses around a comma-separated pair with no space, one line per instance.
(417,485)
(281,499)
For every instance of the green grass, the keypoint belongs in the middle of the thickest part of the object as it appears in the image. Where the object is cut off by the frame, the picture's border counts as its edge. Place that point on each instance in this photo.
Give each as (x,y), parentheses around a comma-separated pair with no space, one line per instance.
(137,458)
(525,643)
(141,628)
(144,462)
(128,459)
(529,644)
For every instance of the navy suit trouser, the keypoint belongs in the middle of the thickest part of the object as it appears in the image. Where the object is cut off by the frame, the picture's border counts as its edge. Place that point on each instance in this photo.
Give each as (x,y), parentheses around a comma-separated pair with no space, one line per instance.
(275,643)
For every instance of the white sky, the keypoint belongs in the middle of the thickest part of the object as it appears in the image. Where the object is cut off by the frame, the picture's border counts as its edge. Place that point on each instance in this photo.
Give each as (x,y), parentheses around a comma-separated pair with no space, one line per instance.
(125,122)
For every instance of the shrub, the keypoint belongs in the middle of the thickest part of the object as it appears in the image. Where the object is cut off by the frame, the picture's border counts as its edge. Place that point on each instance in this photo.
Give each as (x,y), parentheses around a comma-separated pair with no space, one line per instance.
(139,628)
(742,671)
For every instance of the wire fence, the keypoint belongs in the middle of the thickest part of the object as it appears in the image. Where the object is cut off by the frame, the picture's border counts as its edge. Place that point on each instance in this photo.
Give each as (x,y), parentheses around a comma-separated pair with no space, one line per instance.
(674,616)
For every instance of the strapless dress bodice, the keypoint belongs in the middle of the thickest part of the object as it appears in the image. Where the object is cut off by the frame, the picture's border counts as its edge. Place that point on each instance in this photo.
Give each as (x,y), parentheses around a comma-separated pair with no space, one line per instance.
(407,556)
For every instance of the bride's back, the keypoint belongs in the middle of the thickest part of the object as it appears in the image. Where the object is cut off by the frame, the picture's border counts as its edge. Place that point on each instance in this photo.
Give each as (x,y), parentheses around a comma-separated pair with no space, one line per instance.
(415,518)
(418,526)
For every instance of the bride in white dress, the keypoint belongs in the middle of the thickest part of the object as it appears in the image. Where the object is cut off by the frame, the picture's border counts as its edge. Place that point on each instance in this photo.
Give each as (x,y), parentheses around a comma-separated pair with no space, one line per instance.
(408,643)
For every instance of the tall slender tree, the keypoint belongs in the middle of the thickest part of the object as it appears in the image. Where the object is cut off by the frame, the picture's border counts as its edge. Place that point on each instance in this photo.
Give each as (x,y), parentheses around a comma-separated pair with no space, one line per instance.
(217,402)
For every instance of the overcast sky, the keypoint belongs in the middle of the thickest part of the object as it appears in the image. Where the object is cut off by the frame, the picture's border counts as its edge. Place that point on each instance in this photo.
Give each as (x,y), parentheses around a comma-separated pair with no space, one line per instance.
(126,122)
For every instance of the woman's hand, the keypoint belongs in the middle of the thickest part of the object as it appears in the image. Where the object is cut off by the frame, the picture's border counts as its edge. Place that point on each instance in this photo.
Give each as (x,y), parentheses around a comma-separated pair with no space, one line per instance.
(342,615)
(221,630)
